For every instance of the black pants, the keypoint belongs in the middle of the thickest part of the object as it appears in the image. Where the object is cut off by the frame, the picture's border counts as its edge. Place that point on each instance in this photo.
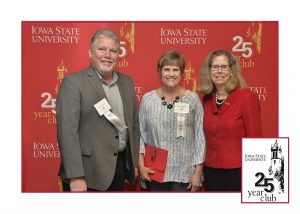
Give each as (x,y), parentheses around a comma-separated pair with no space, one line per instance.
(166,186)
(118,180)
(222,180)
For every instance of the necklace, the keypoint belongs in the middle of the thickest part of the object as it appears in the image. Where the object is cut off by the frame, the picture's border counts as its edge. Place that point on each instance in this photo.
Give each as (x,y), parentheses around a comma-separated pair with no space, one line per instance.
(219,102)
(169,105)
(165,103)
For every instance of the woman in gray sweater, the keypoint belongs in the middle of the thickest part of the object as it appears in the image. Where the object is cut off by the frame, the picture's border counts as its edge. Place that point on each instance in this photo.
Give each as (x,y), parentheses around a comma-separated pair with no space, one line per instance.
(171,118)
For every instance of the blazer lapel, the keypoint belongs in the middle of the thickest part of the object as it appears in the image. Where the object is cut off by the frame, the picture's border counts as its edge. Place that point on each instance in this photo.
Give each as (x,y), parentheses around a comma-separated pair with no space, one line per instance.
(95,82)
(229,101)
(124,93)
(214,108)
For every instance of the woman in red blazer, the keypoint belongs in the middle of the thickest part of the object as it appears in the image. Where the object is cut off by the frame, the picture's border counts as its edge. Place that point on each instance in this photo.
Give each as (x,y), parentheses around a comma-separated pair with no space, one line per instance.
(231,112)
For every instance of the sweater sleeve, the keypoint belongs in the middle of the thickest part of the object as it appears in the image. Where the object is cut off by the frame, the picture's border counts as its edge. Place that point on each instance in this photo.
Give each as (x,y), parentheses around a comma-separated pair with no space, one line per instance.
(143,128)
(200,142)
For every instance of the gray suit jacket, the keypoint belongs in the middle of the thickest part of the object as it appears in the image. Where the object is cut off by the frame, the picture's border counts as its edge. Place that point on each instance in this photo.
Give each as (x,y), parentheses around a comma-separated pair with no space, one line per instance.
(88,142)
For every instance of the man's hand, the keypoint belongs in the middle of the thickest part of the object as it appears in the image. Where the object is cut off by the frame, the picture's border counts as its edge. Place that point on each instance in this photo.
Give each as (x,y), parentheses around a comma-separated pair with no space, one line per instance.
(78,185)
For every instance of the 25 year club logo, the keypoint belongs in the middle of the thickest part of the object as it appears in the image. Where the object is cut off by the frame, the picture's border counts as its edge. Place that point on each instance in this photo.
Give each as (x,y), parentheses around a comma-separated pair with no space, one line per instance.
(265,170)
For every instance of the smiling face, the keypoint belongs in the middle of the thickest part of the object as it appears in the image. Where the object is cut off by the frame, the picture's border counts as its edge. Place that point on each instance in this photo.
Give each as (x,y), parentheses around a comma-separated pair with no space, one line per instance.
(220,71)
(104,55)
(170,75)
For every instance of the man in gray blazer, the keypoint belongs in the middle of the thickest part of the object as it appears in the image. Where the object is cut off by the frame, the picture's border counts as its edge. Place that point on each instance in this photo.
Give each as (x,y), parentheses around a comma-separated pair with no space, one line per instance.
(99,144)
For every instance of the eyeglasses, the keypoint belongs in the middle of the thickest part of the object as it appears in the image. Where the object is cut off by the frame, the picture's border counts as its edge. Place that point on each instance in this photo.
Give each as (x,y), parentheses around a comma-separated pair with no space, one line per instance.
(217,67)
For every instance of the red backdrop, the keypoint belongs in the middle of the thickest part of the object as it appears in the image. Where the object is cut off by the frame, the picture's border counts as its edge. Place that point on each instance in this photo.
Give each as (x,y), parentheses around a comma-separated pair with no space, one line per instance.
(51,50)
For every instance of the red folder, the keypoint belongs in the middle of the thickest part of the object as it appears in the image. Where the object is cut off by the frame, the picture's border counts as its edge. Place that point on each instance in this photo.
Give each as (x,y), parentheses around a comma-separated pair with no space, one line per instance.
(156,160)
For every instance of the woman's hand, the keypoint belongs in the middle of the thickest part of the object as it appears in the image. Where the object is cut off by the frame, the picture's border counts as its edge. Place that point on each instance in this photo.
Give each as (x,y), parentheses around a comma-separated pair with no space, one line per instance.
(145,172)
(195,182)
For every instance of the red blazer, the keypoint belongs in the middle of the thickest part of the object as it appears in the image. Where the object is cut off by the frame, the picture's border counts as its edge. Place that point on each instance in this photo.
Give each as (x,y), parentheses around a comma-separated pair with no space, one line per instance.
(238,117)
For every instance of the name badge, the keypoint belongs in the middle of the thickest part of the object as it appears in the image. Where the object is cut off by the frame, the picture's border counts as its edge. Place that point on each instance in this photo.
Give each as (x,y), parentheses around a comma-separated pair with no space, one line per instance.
(183,108)
(181,128)
(102,107)
(120,126)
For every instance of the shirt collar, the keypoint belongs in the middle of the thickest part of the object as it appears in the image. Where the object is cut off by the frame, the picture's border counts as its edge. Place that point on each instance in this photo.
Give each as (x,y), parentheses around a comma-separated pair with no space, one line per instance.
(114,77)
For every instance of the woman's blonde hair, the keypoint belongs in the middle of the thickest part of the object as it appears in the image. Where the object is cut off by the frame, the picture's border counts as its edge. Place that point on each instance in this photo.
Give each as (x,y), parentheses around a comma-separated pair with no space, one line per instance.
(236,78)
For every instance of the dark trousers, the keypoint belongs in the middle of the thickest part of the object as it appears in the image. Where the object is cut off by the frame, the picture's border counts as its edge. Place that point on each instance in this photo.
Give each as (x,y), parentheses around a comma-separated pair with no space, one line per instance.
(118,180)
(222,180)
(166,186)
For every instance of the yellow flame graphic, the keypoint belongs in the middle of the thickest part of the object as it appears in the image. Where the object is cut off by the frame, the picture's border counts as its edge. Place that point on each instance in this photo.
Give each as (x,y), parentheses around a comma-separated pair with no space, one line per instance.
(61,70)
(127,32)
(255,33)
